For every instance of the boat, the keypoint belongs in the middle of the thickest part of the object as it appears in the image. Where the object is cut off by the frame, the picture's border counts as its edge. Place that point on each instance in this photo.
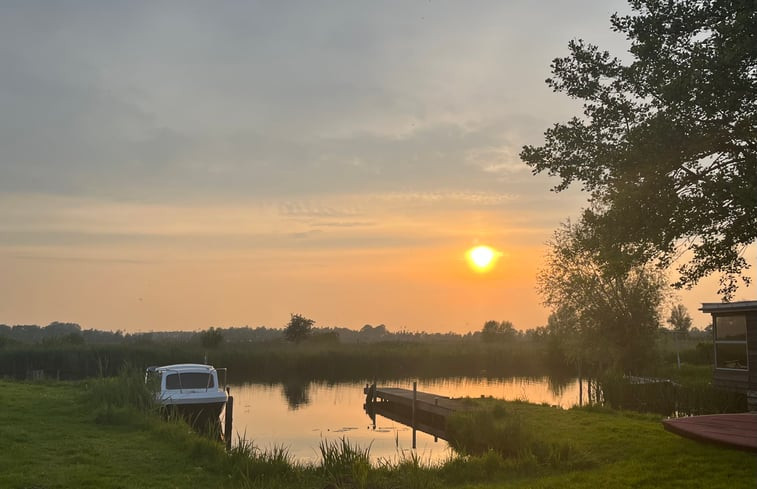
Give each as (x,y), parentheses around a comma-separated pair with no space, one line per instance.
(190,390)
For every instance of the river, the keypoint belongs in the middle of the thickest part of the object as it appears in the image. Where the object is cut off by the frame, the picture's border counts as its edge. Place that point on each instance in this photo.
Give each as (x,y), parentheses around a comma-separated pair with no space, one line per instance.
(300,416)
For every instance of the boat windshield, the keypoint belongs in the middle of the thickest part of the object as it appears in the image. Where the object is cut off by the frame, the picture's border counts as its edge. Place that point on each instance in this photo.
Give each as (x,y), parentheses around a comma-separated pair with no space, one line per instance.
(189,380)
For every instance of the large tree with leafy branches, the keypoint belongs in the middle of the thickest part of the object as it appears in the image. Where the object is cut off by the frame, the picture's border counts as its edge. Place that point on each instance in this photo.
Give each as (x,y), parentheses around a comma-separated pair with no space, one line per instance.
(607,316)
(667,143)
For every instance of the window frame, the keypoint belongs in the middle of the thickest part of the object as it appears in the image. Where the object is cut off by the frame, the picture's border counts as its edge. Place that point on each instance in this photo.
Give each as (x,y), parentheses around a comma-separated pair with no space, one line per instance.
(211,383)
(743,342)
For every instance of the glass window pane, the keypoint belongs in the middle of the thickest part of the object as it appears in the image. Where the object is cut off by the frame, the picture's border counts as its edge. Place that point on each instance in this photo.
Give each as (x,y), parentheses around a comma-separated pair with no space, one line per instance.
(191,380)
(731,355)
(730,328)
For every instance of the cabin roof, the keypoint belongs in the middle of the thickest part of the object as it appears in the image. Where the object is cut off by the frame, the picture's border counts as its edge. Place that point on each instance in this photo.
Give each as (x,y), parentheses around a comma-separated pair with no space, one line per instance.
(187,367)
(741,306)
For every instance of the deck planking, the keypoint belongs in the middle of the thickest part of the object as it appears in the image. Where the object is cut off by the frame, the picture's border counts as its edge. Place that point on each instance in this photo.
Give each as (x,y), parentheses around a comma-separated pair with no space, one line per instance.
(734,430)
(429,413)
(431,403)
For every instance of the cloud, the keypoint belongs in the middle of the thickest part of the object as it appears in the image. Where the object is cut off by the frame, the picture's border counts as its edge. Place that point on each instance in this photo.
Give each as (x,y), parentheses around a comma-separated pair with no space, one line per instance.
(159,103)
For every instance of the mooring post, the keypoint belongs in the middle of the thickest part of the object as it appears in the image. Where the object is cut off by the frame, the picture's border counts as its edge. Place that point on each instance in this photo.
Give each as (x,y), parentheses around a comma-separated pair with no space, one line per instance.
(229,419)
(415,398)
(436,403)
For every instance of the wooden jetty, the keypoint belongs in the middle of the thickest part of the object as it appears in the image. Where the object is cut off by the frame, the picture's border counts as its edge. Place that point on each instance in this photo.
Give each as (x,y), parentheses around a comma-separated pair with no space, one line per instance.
(734,430)
(421,411)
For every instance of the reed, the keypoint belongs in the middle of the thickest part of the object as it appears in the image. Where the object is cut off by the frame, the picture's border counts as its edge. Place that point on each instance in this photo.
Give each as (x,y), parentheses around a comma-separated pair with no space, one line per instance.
(126,390)
(274,361)
(344,464)
(254,467)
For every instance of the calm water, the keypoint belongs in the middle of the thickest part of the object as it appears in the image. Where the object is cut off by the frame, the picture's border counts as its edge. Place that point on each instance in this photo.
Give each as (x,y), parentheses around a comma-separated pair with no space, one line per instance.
(299,416)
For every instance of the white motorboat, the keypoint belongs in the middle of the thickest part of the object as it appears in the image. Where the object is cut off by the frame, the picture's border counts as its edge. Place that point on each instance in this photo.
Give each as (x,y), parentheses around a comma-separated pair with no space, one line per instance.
(191,389)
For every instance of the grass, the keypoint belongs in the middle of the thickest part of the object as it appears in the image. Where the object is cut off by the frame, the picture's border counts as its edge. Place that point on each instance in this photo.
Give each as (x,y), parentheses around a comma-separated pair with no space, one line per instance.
(51,439)
(95,434)
(607,448)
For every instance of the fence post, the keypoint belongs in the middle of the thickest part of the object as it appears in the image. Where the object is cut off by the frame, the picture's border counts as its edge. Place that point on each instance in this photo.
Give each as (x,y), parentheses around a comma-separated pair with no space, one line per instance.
(415,398)
(229,419)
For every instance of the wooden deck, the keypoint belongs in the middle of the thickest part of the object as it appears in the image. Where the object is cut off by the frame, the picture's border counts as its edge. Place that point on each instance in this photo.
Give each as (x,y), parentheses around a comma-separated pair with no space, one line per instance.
(426,402)
(734,430)
(429,414)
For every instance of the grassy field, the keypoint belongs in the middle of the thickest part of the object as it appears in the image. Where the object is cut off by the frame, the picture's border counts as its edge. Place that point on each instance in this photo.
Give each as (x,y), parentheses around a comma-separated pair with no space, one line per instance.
(52,439)
(598,447)
(57,435)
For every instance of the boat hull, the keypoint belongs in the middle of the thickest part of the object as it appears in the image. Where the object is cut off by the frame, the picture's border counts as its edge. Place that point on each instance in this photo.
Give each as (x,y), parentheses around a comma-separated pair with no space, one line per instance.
(201,416)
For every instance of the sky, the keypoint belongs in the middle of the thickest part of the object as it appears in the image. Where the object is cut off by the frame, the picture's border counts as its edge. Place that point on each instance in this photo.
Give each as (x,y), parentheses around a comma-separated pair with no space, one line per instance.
(181,165)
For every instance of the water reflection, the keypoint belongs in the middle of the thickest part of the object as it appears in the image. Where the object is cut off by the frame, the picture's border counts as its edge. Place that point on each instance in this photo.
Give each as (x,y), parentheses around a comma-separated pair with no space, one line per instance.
(296,393)
(300,415)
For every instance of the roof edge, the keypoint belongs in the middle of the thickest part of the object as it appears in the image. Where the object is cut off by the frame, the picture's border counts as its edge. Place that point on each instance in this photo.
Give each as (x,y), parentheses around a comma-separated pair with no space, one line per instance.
(738,306)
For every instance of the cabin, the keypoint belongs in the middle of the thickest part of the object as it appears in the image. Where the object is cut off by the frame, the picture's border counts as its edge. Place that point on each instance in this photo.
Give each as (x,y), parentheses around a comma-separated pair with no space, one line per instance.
(734,336)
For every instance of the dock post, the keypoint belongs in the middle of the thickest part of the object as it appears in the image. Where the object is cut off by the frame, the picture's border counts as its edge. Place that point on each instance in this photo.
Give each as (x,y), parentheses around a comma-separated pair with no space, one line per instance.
(436,403)
(415,398)
(229,419)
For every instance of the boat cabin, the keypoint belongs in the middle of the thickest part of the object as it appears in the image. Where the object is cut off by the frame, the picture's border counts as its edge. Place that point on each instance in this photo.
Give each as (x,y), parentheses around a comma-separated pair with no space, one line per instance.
(734,336)
(190,389)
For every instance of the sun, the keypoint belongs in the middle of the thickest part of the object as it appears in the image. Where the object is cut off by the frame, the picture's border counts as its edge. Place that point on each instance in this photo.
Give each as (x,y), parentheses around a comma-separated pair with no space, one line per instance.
(482,258)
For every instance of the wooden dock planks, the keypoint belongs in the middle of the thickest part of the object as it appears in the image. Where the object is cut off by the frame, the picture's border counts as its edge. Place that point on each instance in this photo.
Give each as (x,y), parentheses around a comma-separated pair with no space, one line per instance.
(734,430)
(429,414)
(426,402)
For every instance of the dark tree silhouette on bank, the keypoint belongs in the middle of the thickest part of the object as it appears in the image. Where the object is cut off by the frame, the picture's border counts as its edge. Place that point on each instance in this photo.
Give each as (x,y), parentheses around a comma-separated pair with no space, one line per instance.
(298,329)
(495,331)
(667,143)
(211,338)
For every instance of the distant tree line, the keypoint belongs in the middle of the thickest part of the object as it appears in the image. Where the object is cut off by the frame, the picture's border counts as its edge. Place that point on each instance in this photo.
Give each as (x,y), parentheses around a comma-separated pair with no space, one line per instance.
(72,333)
(304,330)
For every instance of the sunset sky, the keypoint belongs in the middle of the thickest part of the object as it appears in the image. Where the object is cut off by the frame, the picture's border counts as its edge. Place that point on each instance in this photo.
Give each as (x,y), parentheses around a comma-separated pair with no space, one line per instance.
(181,165)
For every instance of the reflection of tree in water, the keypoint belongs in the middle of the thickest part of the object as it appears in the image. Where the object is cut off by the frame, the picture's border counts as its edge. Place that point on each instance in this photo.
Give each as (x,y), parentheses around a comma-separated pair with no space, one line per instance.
(558,383)
(296,393)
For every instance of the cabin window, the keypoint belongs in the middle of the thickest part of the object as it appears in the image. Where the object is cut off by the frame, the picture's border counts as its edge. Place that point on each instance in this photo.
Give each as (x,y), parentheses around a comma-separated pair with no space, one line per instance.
(189,380)
(730,343)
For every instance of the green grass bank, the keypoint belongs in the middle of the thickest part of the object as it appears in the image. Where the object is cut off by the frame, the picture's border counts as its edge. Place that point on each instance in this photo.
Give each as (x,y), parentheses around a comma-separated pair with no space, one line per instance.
(60,435)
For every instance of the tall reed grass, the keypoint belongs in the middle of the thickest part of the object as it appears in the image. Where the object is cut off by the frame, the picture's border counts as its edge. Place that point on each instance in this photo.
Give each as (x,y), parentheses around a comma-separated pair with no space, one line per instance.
(496,432)
(121,398)
(276,361)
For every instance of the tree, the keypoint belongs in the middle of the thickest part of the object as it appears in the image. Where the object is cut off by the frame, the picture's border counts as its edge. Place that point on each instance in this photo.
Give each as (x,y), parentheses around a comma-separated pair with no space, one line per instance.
(681,322)
(498,331)
(667,145)
(298,329)
(73,339)
(611,312)
(57,329)
(562,335)
(209,339)
(679,319)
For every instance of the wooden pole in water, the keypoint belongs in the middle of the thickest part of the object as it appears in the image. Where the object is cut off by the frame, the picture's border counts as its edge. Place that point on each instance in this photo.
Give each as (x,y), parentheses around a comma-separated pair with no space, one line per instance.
(229,419)
(415,398)
(436,403)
